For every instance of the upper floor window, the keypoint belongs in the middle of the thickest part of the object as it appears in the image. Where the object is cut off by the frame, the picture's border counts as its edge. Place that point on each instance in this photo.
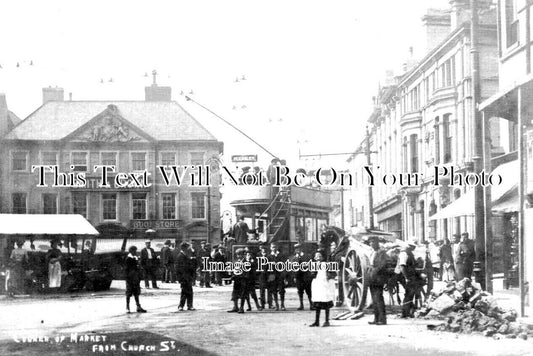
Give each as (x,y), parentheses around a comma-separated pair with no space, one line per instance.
(169,205)
(198,205)
(168,158)
(19,161)
(511,23)
(79,161)
(18,203)
(413,143)
(437,140)
(109,206)
(197,158)
(49,158)
(138,161)
(49,203)
(109,158)
(447,139)
(138,202)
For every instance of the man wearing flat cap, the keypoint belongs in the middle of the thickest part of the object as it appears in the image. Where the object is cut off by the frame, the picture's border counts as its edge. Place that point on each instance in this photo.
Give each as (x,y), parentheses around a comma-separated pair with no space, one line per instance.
(186,274)
(303,279)
(149,265)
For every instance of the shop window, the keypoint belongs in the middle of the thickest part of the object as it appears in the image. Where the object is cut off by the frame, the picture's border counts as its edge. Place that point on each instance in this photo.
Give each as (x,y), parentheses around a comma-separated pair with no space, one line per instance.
(138,203)
(19,203)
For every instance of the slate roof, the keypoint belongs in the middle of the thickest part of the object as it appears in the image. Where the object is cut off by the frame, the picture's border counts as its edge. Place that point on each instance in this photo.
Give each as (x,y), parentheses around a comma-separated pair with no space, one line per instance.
(162,120)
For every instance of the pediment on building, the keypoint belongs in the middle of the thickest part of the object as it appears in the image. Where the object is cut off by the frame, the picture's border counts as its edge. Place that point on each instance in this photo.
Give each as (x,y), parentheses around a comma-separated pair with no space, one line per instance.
(109,126)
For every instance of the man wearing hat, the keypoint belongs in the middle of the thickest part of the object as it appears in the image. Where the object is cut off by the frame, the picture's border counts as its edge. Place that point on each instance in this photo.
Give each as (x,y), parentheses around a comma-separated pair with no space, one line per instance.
(407,264)
(220,257)
(377,274)
(240,231)
(263,280)
(186,273)
(276,279)
(168,264)
(149,265)
(303,279)
(205,276)
(239,292)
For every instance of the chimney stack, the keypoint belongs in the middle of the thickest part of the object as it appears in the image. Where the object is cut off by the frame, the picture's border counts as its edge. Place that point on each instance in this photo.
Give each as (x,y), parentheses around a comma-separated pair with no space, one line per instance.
(437,25)
(53,94)
(4,115)
(157,93)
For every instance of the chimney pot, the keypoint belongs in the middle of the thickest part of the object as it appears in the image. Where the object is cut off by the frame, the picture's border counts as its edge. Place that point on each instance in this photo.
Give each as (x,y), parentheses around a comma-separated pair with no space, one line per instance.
(53,94)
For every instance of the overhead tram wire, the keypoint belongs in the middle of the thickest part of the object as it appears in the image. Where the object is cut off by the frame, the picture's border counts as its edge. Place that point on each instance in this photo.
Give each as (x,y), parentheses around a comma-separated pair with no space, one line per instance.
(233,126)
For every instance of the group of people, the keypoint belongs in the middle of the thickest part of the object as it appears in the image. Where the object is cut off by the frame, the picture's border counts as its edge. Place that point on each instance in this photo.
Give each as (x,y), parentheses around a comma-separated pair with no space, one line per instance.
(457,258)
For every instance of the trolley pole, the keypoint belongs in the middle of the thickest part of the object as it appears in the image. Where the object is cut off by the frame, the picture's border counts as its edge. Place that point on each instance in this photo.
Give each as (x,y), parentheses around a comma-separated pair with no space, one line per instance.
(477,129)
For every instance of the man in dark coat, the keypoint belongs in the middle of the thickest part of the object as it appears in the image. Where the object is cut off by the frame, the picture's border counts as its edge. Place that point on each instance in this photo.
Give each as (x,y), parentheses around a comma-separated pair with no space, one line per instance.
(205,276)
(464,255)
(168,264)
(240,231)
(186,273)
(149,264)
(220,257)
(263,280)
(407,264)
(240,278)
(377,273)
(277,285)
(133,279)
(303,279)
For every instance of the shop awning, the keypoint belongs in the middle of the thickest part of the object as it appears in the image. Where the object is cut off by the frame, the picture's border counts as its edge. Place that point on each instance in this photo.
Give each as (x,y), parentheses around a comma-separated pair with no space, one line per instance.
(502,198)
(41,224)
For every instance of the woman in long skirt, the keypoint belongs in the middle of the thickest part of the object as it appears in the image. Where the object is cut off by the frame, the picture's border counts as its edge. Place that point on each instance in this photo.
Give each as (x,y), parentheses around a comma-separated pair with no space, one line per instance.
(133,280)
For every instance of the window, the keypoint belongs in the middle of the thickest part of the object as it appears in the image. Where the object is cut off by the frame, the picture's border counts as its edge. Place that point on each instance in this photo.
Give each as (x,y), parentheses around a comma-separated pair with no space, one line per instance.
(49,158)
(447,139)
(198,205)
(19,203)
(109,206)
(413,143)
(437,140)
(138,161)
(197,158)
(169,205)
(79,161)
(404,154)
(168,158)
(109,158)
(49,203)
(79,204)
(511,23)
(138,203)
(19,160)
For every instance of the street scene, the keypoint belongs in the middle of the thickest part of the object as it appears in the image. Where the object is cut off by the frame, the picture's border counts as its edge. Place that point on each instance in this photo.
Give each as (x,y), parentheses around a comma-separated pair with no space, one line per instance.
(297,177)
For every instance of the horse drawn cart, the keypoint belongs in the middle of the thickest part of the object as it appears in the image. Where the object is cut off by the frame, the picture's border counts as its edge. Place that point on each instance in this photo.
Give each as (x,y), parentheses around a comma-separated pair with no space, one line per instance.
(353,256)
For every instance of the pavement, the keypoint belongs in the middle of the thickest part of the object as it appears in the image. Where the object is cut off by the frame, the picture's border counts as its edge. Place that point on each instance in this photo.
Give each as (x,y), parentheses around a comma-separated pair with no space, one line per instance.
(26,323)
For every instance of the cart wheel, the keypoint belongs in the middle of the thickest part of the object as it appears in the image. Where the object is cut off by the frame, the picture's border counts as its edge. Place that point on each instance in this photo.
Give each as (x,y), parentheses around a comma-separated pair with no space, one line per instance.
(355,288)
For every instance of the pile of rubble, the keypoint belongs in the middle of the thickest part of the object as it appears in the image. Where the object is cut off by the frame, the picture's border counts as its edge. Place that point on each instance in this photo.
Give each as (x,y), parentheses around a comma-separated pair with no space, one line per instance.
(465,308)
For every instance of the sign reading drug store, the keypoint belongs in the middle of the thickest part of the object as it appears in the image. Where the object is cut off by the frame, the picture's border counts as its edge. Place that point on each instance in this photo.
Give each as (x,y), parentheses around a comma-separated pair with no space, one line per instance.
(155,224)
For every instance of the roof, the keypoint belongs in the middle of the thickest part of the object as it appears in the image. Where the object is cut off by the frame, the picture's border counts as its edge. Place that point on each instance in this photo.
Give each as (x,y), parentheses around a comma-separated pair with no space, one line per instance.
(43,224)
(161,120)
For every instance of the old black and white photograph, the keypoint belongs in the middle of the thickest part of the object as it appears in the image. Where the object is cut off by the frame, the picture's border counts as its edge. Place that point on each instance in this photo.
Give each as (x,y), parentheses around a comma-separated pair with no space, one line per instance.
(298,177)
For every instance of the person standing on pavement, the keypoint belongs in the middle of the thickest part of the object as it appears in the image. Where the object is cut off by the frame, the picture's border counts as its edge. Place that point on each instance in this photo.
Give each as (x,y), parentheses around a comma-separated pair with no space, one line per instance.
(240,231)
(469,253)
(239,284)
(263,281)
(407,265)
(133,280)
(303,279)
(251,280)
(186,273)
(446,260)
(322,290)
(220,257)
(193,255)
(53,261)
(277,286)
(377,274)
(166,261)
(149,264)
(204,254)
(19,263)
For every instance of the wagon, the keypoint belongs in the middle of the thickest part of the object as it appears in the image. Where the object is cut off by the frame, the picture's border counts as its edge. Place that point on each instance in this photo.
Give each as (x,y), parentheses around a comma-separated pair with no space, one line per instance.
(353,256)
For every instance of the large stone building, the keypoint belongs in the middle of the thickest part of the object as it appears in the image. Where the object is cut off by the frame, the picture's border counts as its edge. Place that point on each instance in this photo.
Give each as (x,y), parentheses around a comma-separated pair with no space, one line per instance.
(133,136)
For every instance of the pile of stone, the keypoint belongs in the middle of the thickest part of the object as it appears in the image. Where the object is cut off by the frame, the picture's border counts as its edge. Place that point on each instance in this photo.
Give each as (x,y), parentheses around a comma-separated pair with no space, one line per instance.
(465,308)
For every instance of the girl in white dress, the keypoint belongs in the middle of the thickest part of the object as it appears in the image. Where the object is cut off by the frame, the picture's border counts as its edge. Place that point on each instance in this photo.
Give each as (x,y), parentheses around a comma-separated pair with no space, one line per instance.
(322,290)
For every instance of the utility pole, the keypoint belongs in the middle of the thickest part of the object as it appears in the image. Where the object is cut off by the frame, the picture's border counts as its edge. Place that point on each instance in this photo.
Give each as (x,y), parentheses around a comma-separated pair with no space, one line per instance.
(370,196)
(477,129)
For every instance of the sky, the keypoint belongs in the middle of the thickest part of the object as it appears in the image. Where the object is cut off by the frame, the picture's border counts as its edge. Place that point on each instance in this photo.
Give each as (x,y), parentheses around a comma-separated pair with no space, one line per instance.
(311,67)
